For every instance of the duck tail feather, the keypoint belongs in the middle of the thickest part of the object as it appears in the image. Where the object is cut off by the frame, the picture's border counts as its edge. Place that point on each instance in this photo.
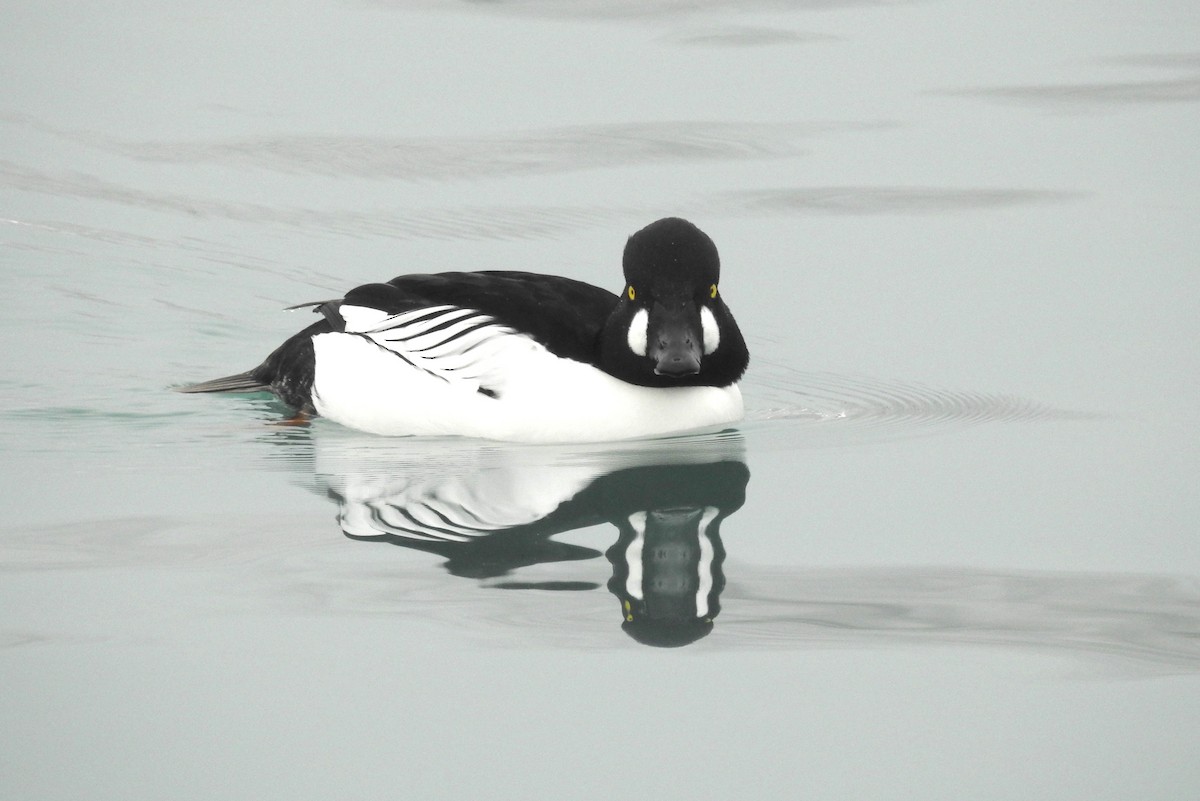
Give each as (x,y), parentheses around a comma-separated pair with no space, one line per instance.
(242,382)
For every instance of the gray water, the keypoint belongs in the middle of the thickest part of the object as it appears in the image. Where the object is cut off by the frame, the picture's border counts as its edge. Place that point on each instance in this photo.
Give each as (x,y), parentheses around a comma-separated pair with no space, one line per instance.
(950,554)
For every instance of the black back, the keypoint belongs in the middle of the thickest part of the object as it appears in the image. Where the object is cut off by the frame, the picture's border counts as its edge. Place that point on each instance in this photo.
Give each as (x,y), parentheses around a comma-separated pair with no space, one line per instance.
(564,315)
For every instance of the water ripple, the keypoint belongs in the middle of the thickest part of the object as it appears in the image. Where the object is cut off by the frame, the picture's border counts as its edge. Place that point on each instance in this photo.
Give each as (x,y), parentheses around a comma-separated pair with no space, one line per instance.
(510,222)
(472,223)
(1180,88)
(745,36)
(1139,618)
(862,200)
(819,404)
(1133,624)
(632,10)
(1136,624)
(532,152)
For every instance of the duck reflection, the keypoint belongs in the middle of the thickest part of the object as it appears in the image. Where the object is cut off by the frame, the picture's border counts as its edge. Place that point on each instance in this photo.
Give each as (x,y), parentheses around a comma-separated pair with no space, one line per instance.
(493,510)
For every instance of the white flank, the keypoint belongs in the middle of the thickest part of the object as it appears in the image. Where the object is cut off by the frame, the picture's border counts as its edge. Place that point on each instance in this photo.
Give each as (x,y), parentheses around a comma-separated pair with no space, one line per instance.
(639,330)
(474,377)
(710,330)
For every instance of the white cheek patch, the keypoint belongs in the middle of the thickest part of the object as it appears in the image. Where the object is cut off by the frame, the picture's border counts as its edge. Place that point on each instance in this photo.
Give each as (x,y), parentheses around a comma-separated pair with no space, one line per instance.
(639,329)
(710,329)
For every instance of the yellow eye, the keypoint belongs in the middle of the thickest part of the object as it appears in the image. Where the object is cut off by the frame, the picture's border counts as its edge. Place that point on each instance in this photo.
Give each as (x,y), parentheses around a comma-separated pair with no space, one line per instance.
(631,293)
(712,293)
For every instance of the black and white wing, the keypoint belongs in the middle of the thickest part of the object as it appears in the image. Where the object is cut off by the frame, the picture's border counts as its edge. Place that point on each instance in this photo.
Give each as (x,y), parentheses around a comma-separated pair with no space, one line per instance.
(460,346)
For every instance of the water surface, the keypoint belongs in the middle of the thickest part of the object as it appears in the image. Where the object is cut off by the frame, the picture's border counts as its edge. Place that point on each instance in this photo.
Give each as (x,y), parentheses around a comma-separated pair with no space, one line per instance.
(950,553)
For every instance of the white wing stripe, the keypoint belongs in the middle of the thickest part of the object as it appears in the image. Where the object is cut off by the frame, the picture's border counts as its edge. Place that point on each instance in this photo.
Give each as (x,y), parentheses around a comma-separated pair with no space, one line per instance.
(416,315)
(364,319)
(444,336)
(411,324)
(462,346)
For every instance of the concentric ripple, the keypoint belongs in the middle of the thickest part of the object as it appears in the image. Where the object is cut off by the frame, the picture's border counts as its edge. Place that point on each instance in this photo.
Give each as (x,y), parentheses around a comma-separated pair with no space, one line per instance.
(853,406)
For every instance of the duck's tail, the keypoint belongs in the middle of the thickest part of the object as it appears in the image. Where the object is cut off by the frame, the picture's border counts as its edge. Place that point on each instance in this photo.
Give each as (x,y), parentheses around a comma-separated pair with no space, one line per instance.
(242,382)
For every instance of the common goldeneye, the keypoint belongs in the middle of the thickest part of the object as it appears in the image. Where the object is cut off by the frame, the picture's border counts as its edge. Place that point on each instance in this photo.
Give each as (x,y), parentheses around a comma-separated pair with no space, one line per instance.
(522,356)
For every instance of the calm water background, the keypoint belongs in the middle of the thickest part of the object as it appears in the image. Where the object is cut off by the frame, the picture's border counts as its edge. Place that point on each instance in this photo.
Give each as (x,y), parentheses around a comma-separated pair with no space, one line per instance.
(960,236)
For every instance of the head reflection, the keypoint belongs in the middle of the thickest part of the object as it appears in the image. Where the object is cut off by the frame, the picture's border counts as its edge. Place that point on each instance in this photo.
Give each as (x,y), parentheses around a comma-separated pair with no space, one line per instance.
(668,555)
(667,574)
(491,517)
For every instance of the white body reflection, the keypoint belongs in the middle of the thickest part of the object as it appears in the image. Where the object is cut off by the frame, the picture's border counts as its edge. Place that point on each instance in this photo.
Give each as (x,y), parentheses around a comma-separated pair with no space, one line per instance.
(490,510)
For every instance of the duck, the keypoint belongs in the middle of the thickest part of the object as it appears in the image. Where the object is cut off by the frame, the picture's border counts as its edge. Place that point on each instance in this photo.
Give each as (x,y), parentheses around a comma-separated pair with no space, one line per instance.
(521,356)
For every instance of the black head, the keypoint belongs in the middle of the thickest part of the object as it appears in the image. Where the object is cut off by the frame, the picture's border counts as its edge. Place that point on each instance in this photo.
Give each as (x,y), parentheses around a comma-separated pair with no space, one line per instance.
(671,327)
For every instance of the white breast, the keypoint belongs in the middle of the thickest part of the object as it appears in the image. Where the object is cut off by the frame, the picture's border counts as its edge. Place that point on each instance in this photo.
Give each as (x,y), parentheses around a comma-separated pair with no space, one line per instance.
(422,373)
